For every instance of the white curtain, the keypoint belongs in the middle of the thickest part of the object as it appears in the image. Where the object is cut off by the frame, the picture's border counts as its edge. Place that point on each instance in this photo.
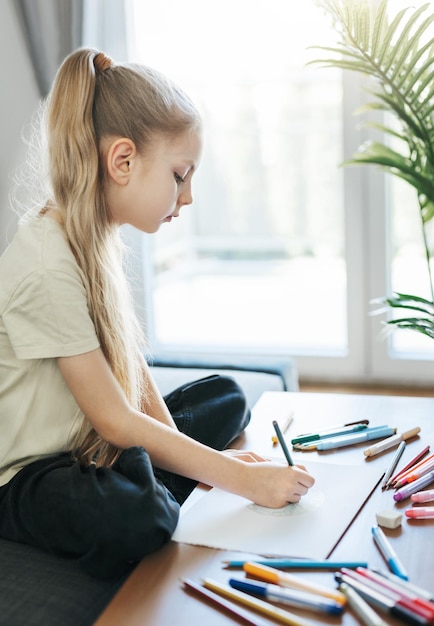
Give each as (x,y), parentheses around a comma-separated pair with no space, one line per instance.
(54,28)
(105,27)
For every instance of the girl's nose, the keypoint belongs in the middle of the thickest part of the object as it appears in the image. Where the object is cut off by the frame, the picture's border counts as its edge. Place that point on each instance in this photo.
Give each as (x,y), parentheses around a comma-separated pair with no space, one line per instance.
(185,197)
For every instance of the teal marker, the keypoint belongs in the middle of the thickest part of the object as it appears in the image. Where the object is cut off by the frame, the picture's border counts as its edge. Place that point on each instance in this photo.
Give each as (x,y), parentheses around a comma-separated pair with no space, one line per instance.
(346,430)
(300,563)
(378,432)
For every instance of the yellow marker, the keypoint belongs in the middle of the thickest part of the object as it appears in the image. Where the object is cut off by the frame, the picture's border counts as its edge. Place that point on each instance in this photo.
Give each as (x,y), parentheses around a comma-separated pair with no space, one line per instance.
(272,575)
(284,424)
(285,617)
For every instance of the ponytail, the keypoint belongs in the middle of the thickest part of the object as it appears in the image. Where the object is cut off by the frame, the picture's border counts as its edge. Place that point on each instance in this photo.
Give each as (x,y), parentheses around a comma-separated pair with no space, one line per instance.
(92,98)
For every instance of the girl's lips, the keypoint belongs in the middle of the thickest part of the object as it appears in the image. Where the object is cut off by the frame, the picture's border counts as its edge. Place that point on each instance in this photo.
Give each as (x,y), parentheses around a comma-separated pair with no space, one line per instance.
(169,218)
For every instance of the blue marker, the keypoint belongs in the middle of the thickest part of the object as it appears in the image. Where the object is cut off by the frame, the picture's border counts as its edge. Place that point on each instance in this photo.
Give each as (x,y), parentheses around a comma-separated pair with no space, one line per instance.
(345,430)
(388,553)
(378,432)
(294,598)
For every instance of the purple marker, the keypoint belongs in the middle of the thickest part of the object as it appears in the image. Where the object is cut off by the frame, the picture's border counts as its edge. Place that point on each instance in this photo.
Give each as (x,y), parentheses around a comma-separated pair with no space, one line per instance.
(420,483)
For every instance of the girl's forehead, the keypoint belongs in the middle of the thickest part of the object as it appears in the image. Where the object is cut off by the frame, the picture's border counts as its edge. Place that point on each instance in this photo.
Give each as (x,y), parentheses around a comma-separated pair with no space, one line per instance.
(186,146)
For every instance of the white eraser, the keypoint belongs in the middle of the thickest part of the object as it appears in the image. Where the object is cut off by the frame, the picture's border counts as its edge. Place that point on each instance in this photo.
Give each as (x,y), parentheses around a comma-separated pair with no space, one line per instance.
(389,519)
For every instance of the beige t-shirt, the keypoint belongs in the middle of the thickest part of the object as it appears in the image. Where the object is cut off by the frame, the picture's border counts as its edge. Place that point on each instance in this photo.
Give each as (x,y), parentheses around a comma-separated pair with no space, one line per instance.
(43,315)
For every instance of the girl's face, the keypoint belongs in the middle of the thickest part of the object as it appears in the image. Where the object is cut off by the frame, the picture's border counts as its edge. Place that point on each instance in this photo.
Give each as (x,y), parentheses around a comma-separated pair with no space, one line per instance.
(159,183)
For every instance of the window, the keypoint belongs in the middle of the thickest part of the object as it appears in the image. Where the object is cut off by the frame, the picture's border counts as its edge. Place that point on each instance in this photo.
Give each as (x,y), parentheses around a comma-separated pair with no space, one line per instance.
(282,249)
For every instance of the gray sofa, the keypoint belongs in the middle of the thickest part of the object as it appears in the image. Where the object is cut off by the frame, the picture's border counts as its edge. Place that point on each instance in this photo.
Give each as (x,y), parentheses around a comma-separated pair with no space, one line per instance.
(39,589)
(254,375)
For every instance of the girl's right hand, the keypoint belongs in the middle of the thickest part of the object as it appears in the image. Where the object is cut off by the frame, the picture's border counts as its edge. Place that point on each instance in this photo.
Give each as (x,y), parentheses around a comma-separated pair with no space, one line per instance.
(273,485)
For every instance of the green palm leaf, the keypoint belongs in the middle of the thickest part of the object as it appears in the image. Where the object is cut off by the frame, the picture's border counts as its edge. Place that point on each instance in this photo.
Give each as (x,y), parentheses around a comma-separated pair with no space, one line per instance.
(405,297)
(386,51)
(408,307)
(419,72)
(393,132)
(401,57)
(414,324)
(398,56)
(406,47)
(380,25)
(379,154)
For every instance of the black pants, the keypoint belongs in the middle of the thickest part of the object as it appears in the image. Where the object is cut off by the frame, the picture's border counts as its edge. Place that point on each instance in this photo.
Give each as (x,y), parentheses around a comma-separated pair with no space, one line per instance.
(110,518)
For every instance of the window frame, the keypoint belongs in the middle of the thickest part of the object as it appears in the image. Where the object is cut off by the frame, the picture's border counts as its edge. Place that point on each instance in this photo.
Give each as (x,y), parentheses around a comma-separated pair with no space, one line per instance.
(369,357)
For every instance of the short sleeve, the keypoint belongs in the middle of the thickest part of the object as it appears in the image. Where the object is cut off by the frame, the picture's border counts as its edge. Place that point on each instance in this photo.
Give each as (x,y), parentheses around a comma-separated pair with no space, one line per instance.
(47,316)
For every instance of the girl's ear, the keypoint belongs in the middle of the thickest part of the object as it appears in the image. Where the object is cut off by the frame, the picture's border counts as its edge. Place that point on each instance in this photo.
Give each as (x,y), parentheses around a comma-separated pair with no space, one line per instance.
(119,157)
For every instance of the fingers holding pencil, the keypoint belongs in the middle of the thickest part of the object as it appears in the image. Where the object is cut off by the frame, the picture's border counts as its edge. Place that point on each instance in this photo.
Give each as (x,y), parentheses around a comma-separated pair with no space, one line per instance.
(304,480)
(274,485)
(283,424)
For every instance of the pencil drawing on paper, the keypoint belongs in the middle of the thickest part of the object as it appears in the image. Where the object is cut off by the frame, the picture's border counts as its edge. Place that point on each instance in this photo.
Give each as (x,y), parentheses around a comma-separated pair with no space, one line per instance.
(309,503)
(309,528)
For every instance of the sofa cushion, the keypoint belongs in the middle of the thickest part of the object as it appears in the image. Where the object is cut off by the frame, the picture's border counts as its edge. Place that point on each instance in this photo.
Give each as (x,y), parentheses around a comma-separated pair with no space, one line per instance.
(252,383)
(39,589)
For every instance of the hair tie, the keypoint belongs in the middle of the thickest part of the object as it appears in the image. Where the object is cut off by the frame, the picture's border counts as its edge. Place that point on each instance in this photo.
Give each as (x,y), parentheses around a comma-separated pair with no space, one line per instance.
(102,62)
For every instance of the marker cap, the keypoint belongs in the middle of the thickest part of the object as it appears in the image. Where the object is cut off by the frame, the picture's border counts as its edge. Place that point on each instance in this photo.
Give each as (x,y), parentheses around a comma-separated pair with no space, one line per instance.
(422,496)
(421,512)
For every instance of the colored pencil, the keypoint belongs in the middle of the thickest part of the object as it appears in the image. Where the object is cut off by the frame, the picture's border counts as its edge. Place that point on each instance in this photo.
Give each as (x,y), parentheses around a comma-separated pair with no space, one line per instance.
(393,464)
(284,425)
(414,486)
(273,575)
(228,606)
(282,442)
(410,464)
(286,617)
(415,472)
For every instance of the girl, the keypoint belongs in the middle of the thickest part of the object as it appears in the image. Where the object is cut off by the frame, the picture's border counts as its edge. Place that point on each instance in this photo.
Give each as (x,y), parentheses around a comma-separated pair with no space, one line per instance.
(94,464)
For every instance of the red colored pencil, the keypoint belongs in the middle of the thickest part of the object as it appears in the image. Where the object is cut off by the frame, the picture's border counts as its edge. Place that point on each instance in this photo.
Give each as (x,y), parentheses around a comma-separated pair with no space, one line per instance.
(409,465)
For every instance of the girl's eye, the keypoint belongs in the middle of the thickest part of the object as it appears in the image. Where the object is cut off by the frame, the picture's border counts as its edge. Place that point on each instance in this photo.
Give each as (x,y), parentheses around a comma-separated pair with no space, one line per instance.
(179,179)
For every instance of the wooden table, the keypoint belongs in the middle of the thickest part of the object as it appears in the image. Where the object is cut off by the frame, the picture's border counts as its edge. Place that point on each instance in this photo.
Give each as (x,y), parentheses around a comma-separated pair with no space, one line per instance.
(154,596)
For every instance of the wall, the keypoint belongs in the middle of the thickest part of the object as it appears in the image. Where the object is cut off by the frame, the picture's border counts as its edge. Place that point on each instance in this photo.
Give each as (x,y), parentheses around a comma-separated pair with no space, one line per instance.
(18,100)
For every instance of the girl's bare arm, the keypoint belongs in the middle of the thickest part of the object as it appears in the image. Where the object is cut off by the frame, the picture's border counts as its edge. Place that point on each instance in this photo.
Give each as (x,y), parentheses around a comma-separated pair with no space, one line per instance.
(102,400)
(154,404)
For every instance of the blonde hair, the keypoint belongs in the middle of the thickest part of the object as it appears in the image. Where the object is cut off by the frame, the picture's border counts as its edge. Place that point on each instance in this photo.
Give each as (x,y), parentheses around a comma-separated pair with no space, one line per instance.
(92,97)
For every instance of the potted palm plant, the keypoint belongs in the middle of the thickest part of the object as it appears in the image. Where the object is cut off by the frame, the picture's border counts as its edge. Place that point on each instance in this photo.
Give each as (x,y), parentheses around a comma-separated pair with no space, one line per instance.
(397,56)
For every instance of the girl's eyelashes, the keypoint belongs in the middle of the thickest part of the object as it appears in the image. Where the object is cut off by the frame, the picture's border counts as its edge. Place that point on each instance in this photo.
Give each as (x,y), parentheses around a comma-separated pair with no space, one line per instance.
(179,179)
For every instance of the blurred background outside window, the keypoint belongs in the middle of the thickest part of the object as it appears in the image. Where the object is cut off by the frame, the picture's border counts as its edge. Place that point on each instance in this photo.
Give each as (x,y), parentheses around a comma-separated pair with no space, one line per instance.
(282,250)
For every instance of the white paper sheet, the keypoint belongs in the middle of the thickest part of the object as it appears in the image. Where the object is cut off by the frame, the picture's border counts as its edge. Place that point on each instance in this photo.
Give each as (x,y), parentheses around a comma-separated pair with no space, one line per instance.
(309,528)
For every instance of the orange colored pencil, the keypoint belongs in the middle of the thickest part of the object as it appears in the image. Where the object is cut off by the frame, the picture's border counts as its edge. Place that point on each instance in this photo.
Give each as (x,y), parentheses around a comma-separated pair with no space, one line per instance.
(410,465)
(402,479)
